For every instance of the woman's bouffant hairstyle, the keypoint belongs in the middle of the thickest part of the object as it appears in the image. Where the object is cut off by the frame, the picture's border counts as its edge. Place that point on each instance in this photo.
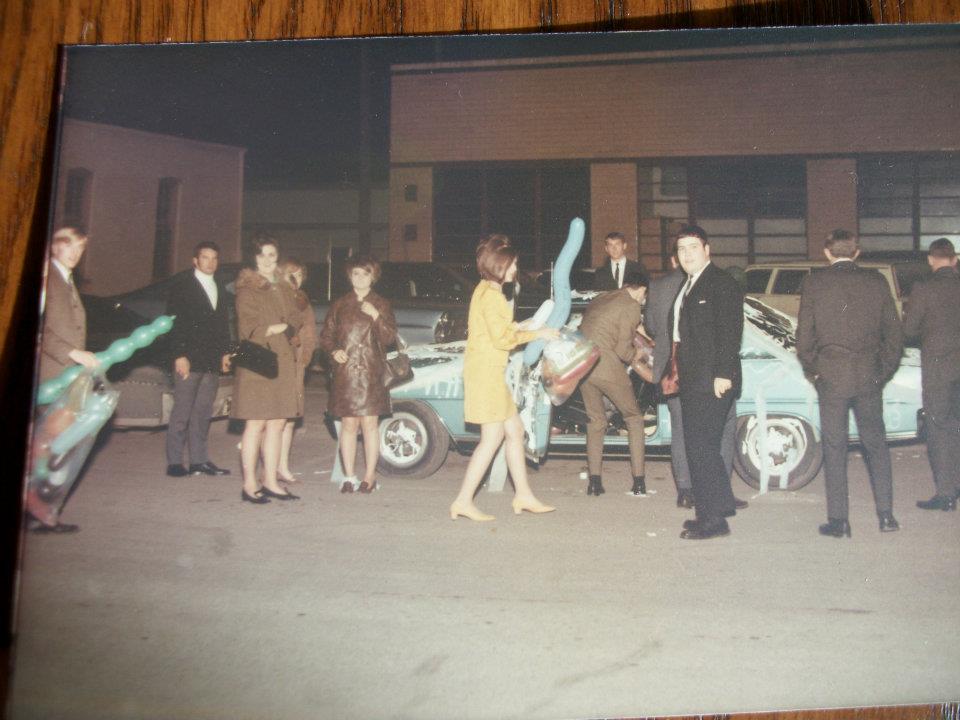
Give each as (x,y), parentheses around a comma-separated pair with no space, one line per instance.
(291,265)
(367,262)
(495,255)
(261,240)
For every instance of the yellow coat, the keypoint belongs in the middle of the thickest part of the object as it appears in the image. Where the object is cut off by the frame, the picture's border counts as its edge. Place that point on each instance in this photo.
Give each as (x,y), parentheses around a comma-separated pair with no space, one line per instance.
(491,335)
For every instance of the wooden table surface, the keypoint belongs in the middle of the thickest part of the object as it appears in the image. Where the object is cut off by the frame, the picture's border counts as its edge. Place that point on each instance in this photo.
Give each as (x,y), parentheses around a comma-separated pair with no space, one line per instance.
(30,32)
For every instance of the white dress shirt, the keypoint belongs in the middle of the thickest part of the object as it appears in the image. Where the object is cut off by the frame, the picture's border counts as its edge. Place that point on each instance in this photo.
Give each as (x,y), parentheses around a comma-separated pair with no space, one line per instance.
(616,268)
(681,296)
(209,286)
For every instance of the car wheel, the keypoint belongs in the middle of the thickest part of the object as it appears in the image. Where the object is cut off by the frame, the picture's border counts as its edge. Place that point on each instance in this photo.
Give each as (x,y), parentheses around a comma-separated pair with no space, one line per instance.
(792,449)
(413,441)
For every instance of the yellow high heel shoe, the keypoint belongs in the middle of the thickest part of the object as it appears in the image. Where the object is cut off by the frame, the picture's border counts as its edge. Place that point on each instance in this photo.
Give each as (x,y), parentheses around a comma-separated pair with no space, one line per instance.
(530,505)
(471,513)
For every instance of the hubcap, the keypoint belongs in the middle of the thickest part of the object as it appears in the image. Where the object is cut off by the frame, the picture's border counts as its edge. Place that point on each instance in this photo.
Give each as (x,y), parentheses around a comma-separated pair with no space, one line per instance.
(403,440)
(786,444)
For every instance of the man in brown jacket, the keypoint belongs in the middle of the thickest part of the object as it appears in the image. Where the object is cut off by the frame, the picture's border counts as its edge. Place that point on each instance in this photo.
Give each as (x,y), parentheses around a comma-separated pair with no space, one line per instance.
(610,321)
(64,320)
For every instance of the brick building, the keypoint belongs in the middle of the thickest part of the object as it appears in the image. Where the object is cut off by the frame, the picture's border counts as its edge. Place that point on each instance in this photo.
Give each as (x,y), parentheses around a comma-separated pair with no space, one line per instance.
(769,147)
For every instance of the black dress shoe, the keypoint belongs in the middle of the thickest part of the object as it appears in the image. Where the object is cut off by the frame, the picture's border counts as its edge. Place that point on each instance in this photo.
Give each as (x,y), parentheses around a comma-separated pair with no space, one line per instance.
(177,471)
(278,496)
(835,528)
(690,524)
(639,486)
(706,529)
(938,502)
(257,498)
(888,523)
(740,504)
(685,499)
(208,468)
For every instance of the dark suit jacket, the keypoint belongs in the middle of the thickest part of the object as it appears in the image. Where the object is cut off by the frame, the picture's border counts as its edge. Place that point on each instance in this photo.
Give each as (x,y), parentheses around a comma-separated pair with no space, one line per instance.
(657,317)
(200,333)
(64,325)
(610,320)
(848,333)
(711,327)
(933,315)
(604,274)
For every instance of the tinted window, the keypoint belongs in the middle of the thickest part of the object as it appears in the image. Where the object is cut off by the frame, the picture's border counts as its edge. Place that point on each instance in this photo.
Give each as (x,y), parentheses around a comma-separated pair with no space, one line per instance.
(757,280)
(788,282)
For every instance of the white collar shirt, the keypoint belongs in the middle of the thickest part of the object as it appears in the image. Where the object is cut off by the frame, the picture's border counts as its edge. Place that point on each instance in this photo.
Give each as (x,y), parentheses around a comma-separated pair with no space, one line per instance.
(617,267)
(209,286)
(681,296)
(66,274)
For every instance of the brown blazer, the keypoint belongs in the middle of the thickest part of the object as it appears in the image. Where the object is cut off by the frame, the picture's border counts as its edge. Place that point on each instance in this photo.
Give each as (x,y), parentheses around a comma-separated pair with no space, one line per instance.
(64,325)
(357,389)
(610,321)
(261,304)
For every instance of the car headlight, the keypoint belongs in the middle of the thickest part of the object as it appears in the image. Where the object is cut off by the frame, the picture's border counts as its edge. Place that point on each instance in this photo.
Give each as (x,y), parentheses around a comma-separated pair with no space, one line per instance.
(443,327)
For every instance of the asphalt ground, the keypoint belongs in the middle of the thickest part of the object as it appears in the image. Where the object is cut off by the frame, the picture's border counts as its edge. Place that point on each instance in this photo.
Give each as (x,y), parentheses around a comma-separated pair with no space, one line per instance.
(176,600)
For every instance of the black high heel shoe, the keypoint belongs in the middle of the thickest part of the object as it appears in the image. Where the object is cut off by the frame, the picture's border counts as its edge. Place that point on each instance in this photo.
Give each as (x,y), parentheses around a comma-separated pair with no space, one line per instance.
(278,496)
(257,499)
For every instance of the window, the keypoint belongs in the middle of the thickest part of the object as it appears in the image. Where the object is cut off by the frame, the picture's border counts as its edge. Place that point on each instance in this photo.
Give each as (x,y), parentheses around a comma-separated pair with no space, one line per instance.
(788,282)
(165,234)
(757,280)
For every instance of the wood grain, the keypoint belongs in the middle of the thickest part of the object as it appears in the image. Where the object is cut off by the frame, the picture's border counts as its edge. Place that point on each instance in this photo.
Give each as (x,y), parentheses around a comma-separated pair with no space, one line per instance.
(31,30)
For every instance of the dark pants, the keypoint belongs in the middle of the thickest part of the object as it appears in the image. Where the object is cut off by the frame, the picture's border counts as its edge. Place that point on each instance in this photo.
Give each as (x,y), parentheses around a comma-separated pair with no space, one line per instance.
(943,437)
(834,428)
(704,418)
(622,395)
(678,450)
(193,398)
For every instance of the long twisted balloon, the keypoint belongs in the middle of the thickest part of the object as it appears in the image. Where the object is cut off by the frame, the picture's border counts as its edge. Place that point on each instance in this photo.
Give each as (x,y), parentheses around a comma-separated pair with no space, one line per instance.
(118,351)
(561,288)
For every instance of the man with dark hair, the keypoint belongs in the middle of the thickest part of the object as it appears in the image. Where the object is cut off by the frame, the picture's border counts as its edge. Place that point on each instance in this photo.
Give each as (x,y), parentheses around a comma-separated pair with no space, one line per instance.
(656,318)
(200,341)
(933,315)
(610,321)
(612,274)
(849,341)
(708,326)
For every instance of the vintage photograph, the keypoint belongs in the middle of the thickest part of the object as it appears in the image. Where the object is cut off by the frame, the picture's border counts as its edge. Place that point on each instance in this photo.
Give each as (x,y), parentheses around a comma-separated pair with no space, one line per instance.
(560,376)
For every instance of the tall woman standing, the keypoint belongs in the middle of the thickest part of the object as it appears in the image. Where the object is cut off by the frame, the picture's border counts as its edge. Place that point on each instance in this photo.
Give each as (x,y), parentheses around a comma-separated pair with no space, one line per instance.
(267,315)
(357,330)
(491,335)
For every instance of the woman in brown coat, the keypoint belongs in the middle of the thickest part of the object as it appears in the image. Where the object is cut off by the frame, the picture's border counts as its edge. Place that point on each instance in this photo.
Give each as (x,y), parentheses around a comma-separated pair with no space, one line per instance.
(267,315)
(357,330)
(294,273)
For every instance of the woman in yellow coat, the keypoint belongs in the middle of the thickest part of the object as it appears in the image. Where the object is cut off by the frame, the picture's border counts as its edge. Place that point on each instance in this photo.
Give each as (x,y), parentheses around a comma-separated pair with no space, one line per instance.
(487,401)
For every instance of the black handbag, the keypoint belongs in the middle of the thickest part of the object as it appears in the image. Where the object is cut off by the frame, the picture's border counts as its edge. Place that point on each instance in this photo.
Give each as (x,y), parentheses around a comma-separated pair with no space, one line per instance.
(255,358)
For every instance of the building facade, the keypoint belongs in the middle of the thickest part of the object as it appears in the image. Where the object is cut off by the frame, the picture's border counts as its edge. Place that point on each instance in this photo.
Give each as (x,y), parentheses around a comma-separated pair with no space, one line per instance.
(145,200)
(767,147)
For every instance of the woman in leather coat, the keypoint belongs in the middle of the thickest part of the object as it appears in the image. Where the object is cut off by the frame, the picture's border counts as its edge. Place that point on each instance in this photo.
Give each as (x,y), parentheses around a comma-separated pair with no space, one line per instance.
(358,329)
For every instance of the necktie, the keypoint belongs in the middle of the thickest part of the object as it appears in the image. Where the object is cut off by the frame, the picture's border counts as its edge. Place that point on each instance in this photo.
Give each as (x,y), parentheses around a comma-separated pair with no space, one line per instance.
(616,274)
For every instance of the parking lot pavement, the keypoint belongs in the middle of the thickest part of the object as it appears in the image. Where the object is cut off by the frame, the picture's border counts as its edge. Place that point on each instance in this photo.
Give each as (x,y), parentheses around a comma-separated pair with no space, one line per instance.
(177,601)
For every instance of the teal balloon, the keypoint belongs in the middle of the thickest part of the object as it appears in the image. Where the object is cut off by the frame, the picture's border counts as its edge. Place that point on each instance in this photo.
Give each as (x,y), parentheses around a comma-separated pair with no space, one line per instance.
(162,324)
(142,336)
(52,388)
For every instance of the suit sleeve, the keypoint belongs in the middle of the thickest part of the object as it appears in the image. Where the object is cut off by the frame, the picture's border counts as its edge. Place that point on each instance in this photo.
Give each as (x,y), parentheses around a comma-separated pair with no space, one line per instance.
(806,329)
(178,308)
(502,331)
(729,330)
(54,345)
(891,350)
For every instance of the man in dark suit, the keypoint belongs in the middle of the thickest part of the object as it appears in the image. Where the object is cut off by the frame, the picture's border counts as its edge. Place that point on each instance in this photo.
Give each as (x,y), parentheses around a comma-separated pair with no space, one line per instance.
(656,317)
(933,315)
(708,314)
(63,345)
(849,341)
(200,340)
(610,321)
(610,275)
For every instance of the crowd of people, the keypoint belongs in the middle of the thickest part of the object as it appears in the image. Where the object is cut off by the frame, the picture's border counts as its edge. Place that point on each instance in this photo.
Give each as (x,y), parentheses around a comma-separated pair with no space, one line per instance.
(849,342)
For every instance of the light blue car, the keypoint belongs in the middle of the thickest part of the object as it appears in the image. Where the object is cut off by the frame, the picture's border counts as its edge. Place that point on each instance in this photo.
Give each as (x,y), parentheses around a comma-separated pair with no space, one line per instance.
(778,427)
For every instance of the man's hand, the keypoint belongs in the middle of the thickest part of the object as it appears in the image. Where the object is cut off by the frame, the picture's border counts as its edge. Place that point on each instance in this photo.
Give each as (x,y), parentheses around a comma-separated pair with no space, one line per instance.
(340,356)
(225,363)
(721,386)
(181,366)
(82,357)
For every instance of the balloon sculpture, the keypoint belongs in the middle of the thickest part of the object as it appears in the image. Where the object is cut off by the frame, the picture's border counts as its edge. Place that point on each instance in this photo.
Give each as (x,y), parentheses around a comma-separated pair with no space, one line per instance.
(570,357)
(80,402)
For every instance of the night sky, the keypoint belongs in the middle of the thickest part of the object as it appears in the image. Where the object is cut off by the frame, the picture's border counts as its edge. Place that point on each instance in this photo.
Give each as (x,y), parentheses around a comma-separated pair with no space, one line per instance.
(295,105)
